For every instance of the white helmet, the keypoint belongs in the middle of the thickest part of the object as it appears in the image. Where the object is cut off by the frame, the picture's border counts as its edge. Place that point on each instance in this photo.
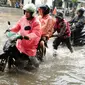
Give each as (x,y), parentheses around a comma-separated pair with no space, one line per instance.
(30,7)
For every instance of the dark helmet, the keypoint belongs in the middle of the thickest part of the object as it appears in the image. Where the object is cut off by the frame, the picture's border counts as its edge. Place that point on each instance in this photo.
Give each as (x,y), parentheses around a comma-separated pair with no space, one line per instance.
(81,11)
(45,8)
(59,15)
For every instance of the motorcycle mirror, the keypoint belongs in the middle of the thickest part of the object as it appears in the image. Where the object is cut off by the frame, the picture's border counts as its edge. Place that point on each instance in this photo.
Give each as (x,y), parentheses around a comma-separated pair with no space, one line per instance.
(27,28)
(8,22)
(8,27)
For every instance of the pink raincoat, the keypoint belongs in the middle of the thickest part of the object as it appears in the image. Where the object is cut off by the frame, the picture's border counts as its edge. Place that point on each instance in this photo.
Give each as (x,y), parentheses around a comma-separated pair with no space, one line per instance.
(47,25)
(29,47)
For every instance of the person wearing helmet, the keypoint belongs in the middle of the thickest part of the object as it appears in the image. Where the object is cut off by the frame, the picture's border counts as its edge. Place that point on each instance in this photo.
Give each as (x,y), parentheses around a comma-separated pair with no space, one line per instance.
(47,24)
(77,27)
(28,28)
(63,32)
(29,10)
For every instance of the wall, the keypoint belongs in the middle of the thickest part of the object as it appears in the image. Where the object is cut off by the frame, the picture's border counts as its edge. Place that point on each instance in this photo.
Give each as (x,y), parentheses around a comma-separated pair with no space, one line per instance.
(27,1)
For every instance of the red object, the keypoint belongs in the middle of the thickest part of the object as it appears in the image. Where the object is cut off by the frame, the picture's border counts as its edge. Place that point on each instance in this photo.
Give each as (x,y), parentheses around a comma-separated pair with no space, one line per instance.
(58,27)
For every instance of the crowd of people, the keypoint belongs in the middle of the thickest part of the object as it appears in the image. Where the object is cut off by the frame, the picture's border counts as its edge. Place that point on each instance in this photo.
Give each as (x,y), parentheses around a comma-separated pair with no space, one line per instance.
(42,27)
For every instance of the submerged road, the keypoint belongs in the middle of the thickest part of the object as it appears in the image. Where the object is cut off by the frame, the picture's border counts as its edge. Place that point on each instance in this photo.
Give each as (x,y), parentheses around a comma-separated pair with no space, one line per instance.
(64,69)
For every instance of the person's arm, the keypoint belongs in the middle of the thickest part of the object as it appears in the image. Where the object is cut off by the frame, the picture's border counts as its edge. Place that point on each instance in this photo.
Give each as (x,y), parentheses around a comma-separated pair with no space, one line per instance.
(72,20)
(16,27)
(62,29)
(80,23)
(50,27)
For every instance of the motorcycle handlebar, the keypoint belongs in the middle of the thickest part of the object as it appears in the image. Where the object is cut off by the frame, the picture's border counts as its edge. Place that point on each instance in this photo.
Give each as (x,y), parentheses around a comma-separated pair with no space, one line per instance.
(18,36)
(54,36)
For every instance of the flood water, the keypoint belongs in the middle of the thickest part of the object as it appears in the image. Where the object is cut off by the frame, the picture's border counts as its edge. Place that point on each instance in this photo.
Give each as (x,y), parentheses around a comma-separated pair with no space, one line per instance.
(64,69)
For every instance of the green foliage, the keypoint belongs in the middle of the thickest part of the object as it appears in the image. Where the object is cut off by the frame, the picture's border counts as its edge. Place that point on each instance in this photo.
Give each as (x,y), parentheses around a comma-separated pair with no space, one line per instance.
(74,1)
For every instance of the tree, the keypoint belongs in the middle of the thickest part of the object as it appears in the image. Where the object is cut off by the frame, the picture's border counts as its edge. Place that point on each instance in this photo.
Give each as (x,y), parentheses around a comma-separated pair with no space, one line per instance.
(74,1)
(57,3)
(33,1)
(5,1)
(60,3)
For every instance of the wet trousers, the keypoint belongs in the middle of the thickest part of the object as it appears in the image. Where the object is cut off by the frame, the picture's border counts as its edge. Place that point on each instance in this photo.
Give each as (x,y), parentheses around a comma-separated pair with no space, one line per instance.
(58,40)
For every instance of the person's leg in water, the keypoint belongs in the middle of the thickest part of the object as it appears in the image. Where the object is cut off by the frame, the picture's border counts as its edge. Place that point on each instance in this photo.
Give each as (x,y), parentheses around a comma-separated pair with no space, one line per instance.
(56,43)
(68,44)
(34,61)
(43,45)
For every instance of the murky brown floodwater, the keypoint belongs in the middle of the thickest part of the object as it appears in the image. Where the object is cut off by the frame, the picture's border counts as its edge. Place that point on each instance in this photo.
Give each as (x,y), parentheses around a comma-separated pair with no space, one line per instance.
(65,69)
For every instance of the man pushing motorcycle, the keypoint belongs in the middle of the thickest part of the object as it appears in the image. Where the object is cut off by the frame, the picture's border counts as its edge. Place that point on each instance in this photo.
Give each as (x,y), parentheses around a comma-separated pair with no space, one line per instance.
(63,33)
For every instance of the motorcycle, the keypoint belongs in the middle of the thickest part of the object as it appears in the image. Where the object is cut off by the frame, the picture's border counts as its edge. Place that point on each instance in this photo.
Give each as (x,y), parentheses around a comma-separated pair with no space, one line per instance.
(9,56)
(77,36)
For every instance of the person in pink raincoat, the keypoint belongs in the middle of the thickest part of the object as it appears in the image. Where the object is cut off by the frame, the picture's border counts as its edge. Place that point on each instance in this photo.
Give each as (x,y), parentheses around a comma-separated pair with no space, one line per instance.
(28,28)
(47,24)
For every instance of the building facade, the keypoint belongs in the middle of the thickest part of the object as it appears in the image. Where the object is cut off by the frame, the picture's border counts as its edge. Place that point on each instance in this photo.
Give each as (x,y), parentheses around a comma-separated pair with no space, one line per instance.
(3,2)
(23,2)
(53,3)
